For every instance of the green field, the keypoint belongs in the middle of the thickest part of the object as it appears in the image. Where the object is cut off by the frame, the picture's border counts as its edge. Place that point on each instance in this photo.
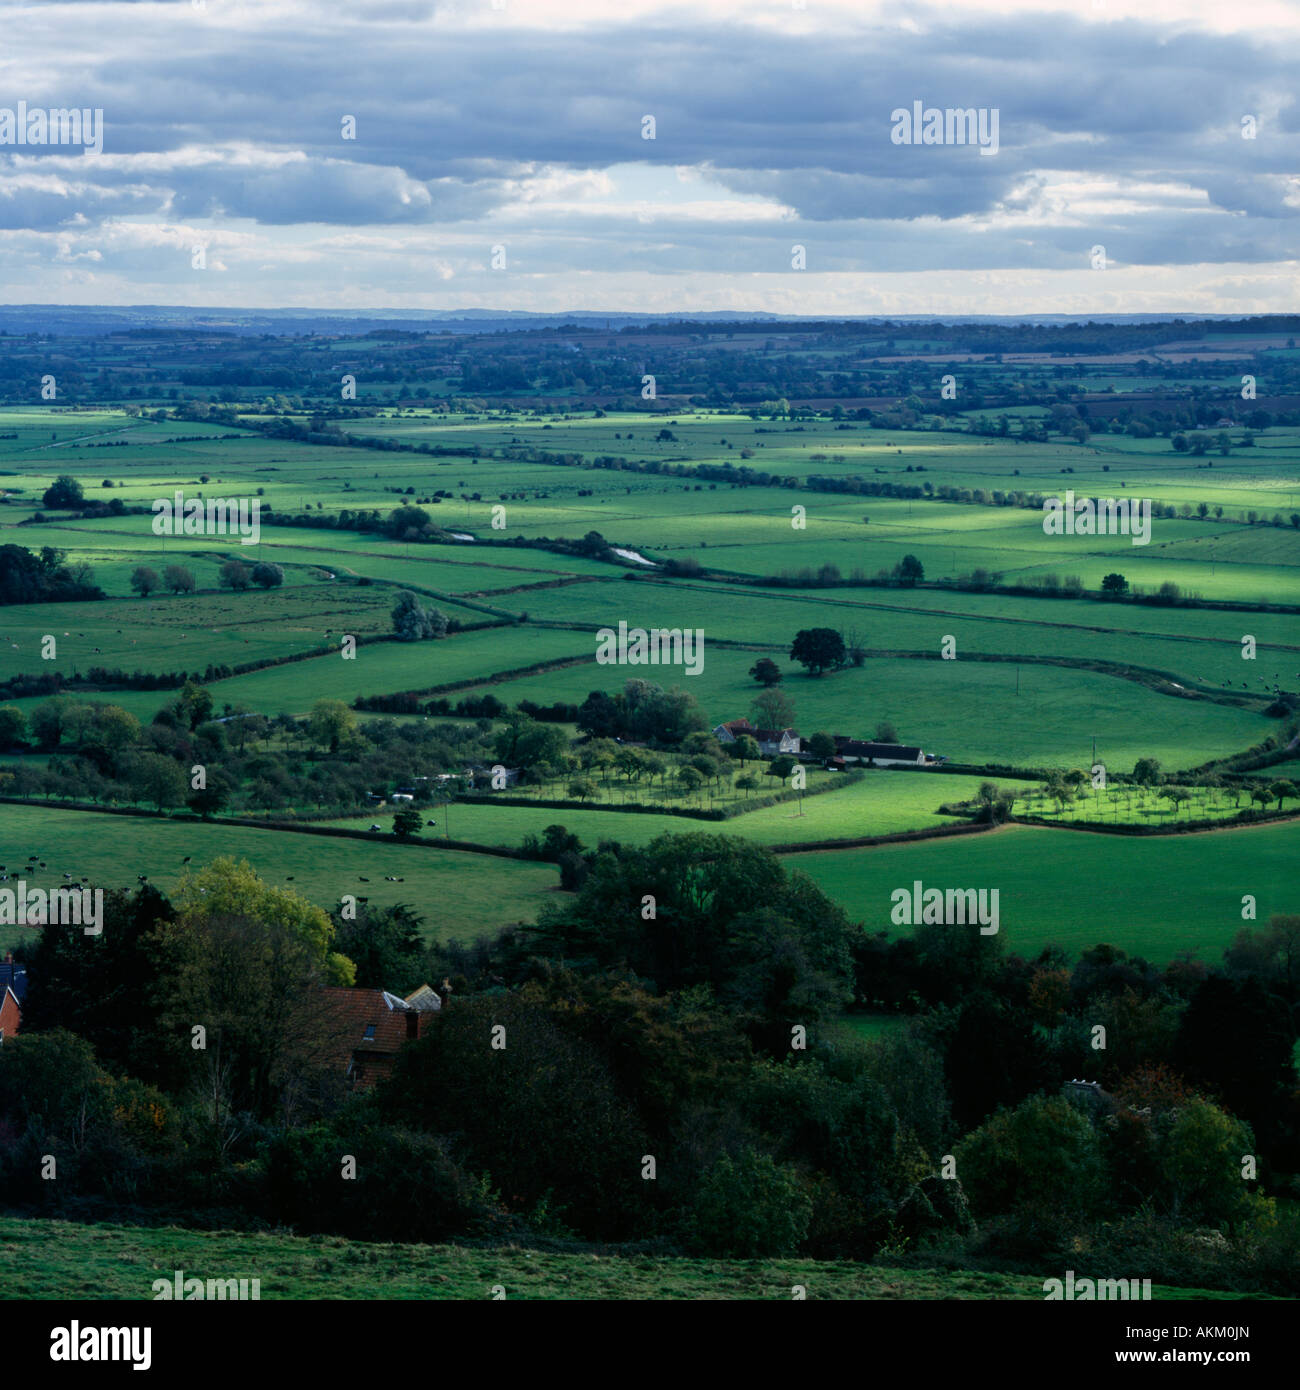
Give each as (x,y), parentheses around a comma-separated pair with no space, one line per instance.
(41,1259)
(1153,896)
(882,803)
(458,894)
(967,711)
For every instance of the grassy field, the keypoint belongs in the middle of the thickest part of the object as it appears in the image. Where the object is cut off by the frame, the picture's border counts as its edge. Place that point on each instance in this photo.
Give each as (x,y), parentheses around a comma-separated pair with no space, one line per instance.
(58,1259)
(1132,805)
(882,803)
(1152,896)
(1020,711)
(460,895)
(968,711)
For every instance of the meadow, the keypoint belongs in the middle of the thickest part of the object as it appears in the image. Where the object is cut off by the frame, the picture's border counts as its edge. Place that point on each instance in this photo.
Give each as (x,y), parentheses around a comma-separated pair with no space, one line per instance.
(458,894)
(42,1259)
(1025,711)
(882,803)
(967,711)
(1152,896)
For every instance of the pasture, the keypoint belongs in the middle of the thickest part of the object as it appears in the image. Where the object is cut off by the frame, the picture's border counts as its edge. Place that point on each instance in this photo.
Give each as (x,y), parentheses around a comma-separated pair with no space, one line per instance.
(1152,896)
(458,894)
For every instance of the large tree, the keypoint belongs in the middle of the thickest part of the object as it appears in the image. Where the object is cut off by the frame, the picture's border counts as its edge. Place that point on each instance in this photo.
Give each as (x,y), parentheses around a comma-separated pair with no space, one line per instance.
(818,649)
(772,709)
(63,494)
(765,671)
(725,913)
(412,622)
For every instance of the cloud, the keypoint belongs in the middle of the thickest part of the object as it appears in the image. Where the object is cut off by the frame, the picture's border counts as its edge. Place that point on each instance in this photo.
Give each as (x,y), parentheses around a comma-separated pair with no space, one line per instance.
(772,126)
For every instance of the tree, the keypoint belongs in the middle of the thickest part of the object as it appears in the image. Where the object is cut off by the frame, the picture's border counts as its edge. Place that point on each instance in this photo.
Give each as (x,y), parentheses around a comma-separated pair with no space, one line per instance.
(1236,1038)
(156,778)
(385,944)
(214,797)
(744,749)
(909,571)
(1281,790)
(821,746)
(525,742)
(1146,771)
(253,978)
(412,622)
(818,649)
(64,494)
(601,715)
(267,576)
(330,722)
(47,722)
(765,671)
(407,822)
(235,574)
(886,732)
(193,706)
(1175,796)
(728,914)
(13,727)
(144,580)
(772,709)
(584,789)
(748,1208)
(1044,1157)
(550,1083)
(690,779)
(178,579)
(1114,585)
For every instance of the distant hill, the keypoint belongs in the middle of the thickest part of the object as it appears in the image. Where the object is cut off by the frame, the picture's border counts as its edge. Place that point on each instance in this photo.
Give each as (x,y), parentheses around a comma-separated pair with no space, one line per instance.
(93,320)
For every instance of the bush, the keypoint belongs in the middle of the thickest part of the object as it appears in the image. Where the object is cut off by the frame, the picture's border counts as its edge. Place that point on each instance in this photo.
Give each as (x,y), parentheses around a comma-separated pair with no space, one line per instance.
(1043,1157)
(407,1187)
(748,1208)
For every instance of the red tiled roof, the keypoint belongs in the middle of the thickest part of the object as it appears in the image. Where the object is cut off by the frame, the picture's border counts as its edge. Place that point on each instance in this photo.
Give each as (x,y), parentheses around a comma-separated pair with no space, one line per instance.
(358,1009)
(11,1015)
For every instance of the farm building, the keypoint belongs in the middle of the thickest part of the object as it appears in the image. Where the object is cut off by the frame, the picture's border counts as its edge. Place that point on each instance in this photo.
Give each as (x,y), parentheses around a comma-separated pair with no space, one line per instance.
(853,750)
(374,1026)
(771,742)
(13,990)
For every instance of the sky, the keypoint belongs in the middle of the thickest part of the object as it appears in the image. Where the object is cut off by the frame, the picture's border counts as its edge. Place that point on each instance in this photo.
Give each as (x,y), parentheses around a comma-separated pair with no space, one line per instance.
(493,154)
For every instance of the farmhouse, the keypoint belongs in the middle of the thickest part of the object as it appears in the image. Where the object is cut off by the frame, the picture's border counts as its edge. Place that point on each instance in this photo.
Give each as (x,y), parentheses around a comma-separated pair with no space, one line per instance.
(13,989)
(374,1026)
(771,742)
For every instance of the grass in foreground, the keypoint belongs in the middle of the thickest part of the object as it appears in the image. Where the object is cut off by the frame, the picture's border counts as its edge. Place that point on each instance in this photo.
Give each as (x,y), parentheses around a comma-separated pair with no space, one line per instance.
(41,1259)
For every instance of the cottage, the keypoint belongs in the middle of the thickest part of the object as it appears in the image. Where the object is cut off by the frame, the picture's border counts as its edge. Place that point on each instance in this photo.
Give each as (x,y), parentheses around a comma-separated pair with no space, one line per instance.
(374,1026)
(11,1014)
(13,990)
(771,742)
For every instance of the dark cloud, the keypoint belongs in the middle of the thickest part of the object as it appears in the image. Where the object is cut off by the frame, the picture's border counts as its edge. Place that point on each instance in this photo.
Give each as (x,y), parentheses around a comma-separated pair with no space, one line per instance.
(245,123)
